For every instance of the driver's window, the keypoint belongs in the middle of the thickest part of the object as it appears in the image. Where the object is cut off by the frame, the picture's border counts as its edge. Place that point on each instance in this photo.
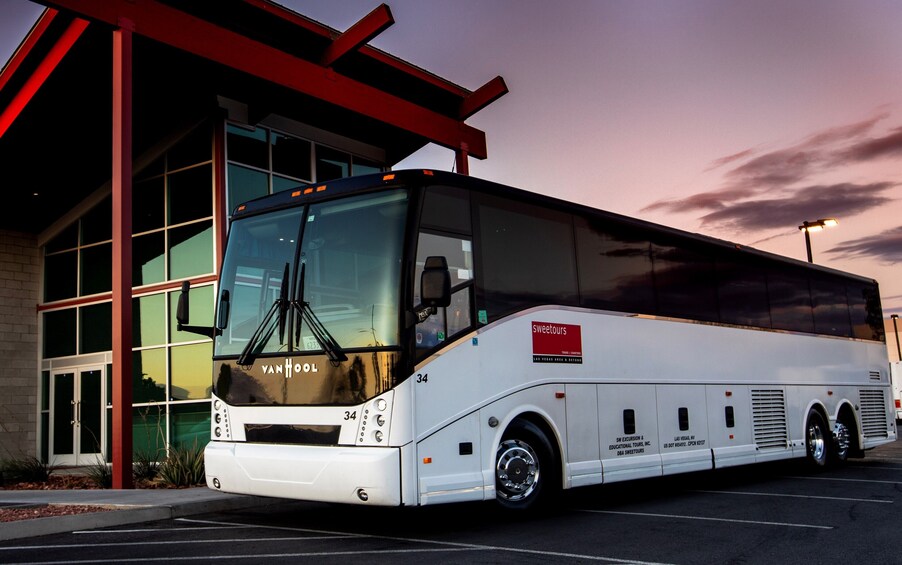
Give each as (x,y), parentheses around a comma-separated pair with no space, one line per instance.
(457,317)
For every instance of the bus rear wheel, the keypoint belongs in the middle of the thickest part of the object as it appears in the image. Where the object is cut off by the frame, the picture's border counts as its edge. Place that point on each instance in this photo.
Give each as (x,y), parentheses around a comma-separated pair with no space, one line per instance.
(817,439)
(524,475)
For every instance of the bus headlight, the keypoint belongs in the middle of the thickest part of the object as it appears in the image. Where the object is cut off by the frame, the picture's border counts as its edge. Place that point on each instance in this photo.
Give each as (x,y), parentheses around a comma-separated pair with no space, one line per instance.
(377,435)
(380,420)
(381,404)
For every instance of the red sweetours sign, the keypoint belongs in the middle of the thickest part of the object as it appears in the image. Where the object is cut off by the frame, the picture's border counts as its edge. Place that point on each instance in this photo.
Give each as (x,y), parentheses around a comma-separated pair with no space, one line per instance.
(556,343)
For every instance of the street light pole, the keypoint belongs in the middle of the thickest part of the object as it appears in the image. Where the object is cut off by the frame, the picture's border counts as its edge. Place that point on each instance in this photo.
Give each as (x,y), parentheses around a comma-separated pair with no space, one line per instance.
(816,225)
(896,331)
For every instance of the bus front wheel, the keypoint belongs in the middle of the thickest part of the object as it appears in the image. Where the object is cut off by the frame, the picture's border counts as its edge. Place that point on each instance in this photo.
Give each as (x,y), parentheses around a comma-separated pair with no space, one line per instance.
(817,439)
(524,473)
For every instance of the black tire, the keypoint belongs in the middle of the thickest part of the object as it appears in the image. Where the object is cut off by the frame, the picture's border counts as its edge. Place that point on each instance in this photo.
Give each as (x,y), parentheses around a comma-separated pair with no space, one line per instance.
(526,477)
(818,440)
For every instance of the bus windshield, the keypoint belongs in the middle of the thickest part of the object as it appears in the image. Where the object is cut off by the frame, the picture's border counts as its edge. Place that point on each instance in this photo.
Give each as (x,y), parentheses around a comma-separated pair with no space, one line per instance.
(340,292)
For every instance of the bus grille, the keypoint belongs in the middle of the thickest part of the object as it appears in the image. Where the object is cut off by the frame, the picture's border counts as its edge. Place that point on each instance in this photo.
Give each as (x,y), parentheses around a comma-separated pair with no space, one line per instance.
(873,412)
(769,414)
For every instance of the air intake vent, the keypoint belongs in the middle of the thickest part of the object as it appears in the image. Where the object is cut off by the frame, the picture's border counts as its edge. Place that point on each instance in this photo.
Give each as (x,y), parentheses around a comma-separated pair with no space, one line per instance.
(875,376)
(873,412)
(769,414)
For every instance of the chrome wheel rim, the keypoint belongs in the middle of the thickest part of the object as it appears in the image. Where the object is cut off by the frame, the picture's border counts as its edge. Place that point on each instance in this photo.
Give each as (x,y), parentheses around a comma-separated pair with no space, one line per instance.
(817,447)
(517,470)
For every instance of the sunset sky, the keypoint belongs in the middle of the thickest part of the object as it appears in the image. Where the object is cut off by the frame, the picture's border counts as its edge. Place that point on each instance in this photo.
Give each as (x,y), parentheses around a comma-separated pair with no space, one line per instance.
(738,120)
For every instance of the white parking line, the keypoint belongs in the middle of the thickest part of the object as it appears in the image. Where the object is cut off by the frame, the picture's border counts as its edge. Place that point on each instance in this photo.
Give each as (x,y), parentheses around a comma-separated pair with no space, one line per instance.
(708,519)
(838,498)
(170,542)
(444,548)
(844,480)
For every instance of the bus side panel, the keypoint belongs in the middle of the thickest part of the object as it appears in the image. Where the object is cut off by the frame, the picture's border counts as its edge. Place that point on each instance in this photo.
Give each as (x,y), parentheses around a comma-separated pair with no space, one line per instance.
(583,458)
(730,425)
(448,464)
(683,428)
(628,425)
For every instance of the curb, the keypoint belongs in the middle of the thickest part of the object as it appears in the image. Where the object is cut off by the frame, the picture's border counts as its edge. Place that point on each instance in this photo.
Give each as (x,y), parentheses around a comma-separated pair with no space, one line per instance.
(123,515)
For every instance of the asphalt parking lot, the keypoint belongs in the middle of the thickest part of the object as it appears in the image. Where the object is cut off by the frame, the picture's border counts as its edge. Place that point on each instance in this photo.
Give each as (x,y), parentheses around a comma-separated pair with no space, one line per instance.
(773,513)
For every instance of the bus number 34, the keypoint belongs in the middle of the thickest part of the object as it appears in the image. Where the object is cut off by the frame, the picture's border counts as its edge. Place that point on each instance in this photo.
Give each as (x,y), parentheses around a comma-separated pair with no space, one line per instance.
(422,377)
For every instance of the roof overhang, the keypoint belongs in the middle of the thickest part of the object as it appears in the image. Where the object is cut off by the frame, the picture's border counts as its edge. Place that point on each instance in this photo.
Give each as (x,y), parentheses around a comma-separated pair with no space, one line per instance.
(55,92)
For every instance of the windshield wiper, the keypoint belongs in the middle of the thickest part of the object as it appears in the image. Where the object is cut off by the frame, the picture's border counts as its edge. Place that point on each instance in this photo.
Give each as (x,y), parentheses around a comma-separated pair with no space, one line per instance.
(319,331)
(266,328)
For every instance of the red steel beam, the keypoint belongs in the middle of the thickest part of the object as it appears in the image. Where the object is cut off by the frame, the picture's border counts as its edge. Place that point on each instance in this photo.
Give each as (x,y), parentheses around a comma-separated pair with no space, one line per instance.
(172,27)
(122,256)
(41,73)
(37,31)
(482,97)
(368,50)
(358,35)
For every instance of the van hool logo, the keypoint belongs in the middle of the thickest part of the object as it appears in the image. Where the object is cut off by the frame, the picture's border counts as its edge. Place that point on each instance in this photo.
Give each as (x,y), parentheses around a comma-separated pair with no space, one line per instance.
(290,368)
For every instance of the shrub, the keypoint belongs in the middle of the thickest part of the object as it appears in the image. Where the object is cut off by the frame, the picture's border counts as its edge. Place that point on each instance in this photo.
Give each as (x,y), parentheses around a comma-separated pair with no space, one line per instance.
(183,467)
(100,473)
(28,469)
(146,465)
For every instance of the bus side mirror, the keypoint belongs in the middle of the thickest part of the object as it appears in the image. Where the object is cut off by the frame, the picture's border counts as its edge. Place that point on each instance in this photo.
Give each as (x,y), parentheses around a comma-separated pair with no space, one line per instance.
(223,318)
(181,313)
(435,283)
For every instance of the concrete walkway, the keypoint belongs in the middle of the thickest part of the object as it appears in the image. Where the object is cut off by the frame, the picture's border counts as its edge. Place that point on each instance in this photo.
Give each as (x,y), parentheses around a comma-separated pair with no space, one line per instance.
(130,507)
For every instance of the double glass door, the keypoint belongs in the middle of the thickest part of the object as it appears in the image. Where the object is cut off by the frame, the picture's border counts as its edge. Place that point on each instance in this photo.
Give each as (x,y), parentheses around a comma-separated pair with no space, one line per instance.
(77,416)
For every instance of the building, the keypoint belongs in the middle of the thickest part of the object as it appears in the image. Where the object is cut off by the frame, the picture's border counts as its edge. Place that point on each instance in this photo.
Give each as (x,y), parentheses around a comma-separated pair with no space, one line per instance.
(128,131)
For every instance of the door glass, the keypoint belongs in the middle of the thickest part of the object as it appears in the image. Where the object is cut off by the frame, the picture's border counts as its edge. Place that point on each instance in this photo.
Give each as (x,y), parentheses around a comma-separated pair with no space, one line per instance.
(63,412)
(89,430)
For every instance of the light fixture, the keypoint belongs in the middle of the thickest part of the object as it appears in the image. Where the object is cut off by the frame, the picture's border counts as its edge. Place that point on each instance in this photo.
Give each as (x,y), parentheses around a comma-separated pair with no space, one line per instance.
(816,225)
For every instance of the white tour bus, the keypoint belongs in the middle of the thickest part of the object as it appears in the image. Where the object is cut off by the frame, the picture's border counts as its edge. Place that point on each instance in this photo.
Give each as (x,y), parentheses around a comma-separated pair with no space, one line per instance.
(420,337)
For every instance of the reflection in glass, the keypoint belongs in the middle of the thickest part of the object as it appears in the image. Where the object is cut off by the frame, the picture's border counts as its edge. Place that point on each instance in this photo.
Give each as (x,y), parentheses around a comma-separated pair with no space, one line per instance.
(149,430)
(148,258)
(191,367)
(245,184)
(149,375)
(191,250)
(190,424)
(200,306)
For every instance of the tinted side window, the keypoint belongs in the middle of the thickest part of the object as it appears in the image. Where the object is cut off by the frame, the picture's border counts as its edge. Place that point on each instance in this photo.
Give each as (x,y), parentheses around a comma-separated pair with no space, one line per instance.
(527,256)
(742,294)
(866,314)
(831,309)
(447,209)
(684,282)
(790,301)
(615,269)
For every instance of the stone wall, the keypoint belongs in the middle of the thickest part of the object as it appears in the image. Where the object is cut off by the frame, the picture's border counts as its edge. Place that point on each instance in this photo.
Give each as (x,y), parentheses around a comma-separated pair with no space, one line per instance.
(19,286)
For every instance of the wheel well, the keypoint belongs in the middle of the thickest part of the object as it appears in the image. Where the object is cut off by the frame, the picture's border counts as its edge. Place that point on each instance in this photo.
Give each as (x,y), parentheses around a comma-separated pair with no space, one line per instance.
(543,425)
(847,415)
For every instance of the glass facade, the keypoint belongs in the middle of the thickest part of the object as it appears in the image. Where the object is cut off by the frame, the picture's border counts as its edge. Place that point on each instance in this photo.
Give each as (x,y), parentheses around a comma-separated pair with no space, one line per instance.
(173,213)
(263,161)
(173,239)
